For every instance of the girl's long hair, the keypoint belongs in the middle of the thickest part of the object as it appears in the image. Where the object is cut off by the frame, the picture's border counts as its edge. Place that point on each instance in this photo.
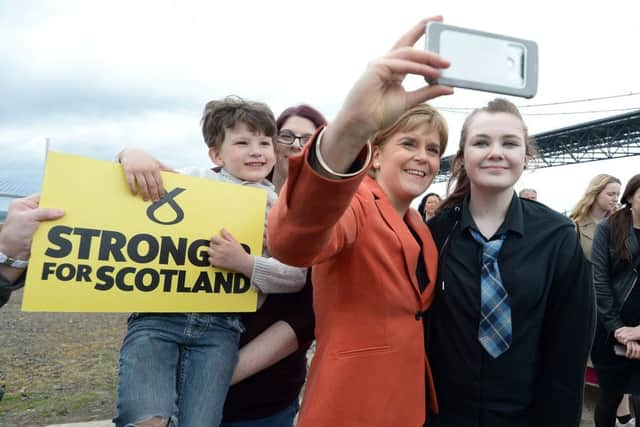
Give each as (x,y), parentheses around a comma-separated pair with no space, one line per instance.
(622,220)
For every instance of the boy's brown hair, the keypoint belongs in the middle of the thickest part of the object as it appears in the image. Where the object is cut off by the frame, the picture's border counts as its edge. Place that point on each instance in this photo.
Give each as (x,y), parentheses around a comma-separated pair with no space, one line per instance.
(224,114)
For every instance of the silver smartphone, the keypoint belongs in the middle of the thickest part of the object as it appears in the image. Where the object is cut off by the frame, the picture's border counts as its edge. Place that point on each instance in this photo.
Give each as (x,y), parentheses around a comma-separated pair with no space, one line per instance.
(484,61)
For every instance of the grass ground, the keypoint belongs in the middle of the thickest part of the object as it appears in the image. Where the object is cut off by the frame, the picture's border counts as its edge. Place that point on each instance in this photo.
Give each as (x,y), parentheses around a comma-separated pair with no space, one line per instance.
(62,367)
(57,367)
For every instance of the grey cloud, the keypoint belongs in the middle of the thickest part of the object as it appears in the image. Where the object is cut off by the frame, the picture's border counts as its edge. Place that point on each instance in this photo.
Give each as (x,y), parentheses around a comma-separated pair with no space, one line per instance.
(28,99)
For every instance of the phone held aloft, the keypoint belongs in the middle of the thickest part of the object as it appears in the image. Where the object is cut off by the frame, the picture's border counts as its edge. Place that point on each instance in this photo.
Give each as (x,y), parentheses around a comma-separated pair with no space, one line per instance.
(484,61)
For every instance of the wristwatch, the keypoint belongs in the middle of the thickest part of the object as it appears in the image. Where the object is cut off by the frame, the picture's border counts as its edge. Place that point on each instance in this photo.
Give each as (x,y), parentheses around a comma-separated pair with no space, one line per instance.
(12,262)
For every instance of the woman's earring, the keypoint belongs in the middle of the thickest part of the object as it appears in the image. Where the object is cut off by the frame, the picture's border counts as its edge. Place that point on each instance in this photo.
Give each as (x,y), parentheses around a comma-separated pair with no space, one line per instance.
(376,165)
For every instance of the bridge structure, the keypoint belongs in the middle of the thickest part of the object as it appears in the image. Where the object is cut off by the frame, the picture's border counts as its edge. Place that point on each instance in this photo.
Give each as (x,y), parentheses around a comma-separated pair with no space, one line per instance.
(12,190)
(8,192)
(609,138)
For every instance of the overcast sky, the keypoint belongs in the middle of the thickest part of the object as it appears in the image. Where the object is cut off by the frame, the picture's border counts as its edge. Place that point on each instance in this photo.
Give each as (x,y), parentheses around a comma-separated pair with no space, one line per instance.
(98,76)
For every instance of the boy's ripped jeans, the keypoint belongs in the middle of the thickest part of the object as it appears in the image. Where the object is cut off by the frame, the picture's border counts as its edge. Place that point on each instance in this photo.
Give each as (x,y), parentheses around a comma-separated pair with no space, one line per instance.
(176,367)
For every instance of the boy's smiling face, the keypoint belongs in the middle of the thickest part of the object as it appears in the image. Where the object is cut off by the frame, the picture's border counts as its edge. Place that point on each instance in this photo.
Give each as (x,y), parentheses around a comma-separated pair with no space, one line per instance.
(244,154)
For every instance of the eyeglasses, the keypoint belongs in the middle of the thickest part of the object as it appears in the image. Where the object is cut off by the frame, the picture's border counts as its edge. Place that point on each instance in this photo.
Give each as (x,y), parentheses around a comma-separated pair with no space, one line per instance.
(288,138)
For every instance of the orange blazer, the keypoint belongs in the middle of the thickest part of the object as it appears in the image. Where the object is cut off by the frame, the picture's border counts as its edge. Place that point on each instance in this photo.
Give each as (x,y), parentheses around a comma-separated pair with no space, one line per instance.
(370,366)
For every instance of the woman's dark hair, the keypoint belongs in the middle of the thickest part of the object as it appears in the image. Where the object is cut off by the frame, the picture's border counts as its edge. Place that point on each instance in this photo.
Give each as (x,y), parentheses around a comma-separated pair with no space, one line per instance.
(622,220)
(459,181)
(424,202)
(304,111)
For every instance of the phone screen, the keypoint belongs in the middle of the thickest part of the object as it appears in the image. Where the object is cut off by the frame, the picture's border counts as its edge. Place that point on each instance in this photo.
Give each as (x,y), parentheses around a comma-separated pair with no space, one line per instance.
(480,58)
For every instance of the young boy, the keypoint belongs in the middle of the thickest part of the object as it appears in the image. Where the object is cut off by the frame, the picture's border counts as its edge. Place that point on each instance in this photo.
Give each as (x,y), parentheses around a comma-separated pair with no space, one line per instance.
(178,367)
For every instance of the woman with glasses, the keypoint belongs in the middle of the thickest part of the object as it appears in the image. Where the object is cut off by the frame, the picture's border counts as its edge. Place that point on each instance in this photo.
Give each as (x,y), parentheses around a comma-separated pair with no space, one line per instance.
(272,363)
(296,125)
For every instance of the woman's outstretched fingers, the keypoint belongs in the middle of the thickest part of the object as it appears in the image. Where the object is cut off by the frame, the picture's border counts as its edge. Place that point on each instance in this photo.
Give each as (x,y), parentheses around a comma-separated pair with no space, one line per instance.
(426,93)
(419,56)
(401,67)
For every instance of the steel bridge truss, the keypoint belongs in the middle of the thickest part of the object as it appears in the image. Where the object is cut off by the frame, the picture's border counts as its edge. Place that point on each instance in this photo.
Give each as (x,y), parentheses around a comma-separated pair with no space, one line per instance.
(610,138)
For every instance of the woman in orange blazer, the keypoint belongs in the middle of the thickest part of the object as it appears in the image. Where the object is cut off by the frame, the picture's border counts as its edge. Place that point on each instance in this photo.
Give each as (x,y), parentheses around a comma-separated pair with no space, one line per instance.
(374,261)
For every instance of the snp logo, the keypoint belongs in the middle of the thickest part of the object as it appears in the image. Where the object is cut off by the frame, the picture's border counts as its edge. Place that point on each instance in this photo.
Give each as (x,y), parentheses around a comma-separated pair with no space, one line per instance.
(167,199)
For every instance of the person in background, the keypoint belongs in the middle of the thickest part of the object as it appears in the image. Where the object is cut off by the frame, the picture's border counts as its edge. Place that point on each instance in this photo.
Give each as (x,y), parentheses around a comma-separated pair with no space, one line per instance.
(272,363)
(528,193)
(22,221)
(616,266)
(428,205)
(513,316)
(295,126)
(598,202)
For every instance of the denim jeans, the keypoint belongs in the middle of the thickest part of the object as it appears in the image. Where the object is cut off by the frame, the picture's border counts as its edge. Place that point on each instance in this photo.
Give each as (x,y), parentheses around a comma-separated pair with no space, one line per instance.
(178,367)
(283,418)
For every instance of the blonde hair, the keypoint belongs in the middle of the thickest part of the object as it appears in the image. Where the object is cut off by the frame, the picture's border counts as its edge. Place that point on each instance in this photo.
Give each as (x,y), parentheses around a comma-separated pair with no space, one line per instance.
(582,210)
(420,115)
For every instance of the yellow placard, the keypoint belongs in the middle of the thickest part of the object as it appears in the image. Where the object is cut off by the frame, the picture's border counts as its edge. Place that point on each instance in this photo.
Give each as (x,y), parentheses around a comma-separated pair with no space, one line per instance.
(114,252)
